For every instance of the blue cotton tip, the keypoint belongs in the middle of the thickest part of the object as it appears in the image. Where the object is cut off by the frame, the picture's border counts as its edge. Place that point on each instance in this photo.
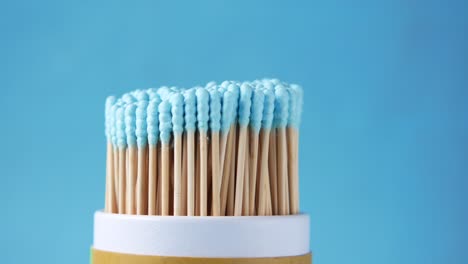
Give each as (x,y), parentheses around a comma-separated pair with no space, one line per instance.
(275,81)
(165,121)
(164,92)
(128,98)
(141,119)
(221,91)
(267,84)
(292,106)
(215,110)
(174,89)
(225,84)
(152,120)
(177,102)
(281,106)
(268,108)
(190,100)
(235,91)
(120,127)
(152,93)
(130,124)
(256,109)
(245,104)
(110,101)
(299,94)
(203,100)
(142,95)
(227,109)
(113,121)
(210,84)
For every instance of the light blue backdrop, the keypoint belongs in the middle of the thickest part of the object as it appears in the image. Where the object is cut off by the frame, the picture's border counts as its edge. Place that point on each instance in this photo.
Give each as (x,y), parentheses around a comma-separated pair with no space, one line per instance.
(384,139)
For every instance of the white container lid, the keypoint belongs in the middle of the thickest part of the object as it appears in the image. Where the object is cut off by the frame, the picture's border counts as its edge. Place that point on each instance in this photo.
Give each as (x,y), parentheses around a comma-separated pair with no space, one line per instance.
(195,236)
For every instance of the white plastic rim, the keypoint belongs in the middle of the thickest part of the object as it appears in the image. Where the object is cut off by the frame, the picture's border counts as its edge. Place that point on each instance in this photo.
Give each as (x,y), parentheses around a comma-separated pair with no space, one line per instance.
(209,237)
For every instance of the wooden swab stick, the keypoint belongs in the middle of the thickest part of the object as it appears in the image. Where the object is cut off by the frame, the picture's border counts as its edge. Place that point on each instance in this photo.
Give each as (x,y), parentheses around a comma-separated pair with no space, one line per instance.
(240,171)
(159,184)
(178,174)
(282,172)
(142,182)
(165,167)
(203,174)
(253,157)
(165,127)
(131,179)
(222,151)
(171,179)
(190,173)
(247,191)
(232,173)
(272,169)
(264,182)
(292,170)
(197,176)
(216,176)
(116,174)
(109,179)
(227,171)
(122,178)
(184,174)
(152,179)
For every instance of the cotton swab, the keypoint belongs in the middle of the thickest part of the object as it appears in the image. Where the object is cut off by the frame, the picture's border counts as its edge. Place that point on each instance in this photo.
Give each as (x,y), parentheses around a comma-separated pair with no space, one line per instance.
(122,148)
(152,120)
(177,100)
(215,126)
(281,108)
(226,133)
(255,124)
(111,204)
(202,118)
(244,114)
(264,196)
(142,142)
(295,109)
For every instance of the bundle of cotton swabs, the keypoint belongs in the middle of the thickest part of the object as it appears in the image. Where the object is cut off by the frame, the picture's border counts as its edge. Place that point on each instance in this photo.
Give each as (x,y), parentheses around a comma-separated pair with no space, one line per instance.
(228,149)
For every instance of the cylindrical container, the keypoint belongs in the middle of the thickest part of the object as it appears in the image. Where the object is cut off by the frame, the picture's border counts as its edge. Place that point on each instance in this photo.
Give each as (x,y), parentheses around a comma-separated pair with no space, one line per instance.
(134,239)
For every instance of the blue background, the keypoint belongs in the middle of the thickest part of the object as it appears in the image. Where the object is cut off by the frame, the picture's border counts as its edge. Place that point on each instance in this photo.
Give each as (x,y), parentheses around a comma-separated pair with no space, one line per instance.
(384,139)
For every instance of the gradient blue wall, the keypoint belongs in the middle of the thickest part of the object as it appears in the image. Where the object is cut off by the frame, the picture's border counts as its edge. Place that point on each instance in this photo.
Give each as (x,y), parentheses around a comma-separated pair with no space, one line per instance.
(384,139)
